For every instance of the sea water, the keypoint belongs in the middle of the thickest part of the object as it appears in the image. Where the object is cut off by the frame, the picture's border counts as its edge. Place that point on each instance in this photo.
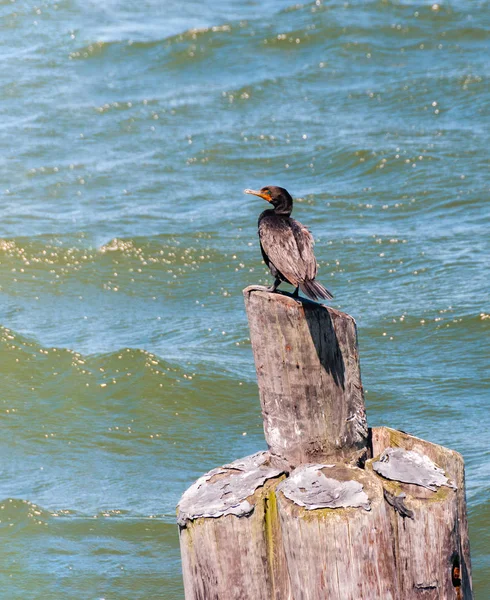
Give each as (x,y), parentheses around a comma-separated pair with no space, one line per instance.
(128,132)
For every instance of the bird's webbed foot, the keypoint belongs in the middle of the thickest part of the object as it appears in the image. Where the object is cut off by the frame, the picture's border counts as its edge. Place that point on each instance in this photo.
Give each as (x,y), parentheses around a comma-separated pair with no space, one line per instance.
(275,285)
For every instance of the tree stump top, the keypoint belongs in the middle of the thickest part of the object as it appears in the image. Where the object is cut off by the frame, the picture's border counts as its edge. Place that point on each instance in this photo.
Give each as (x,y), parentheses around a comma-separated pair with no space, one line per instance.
(288,300)
(324,486)
(225,490)
(412,467)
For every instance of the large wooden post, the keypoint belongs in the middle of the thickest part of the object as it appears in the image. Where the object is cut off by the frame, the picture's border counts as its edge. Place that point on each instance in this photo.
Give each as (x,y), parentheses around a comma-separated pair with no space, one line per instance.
(307,364)
(230,537)
(336,532)
(333,510)
(432,544)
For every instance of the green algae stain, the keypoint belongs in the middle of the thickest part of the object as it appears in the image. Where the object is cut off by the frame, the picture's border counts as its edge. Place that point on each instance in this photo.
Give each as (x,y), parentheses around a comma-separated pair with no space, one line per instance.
(271,518)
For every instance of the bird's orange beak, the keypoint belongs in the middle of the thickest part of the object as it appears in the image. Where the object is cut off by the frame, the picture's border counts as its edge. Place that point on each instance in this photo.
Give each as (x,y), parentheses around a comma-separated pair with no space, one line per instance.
(259,194)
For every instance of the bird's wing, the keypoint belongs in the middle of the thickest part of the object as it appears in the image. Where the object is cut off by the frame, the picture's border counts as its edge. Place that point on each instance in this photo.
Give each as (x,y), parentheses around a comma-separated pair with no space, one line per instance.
(305,243)
(289,246)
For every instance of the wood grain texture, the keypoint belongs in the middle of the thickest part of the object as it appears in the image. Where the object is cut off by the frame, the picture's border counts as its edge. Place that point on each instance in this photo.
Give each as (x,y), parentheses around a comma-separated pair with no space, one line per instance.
(340,553)
(313,518)
(432,548)
(307,363)
(230,557)
(225,490)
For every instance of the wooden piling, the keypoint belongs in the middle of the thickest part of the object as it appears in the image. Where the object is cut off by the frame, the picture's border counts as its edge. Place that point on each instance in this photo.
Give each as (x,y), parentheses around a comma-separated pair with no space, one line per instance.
(432,546)
(230,537)
(309,378)
(333,510)
(336,532)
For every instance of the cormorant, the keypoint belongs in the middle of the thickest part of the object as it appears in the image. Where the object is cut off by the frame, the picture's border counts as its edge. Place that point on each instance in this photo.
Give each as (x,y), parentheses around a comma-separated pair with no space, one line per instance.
(287,245)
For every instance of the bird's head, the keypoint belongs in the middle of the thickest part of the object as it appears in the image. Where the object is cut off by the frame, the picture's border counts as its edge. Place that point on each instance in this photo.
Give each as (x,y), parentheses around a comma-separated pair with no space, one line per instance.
(279,198)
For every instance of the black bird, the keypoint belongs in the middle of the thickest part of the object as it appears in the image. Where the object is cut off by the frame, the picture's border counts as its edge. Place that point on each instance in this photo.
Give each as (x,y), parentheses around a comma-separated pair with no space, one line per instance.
(287,245)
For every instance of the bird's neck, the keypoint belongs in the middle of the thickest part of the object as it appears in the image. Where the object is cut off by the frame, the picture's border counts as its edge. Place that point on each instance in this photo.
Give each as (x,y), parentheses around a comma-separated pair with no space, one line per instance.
(283,208)
(282,212)
(271,212)
(279,211)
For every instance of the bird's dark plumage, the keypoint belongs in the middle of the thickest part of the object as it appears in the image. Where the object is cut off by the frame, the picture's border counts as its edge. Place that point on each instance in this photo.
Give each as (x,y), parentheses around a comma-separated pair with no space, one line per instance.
(287,245)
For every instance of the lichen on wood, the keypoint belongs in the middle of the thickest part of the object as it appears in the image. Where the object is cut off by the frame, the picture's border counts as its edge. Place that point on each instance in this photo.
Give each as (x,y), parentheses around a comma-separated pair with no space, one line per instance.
(309,487)
(224,491)
(237,554)
(412,467)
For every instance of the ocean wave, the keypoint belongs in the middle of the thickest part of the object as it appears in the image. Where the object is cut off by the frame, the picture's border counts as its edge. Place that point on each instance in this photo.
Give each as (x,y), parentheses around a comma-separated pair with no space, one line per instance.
(40,376)
(132,266)
(319,26)
(17,513)
(176,47)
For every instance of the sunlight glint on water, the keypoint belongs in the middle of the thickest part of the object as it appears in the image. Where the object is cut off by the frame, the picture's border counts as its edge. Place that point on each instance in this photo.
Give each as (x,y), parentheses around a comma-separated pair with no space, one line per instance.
(128,133)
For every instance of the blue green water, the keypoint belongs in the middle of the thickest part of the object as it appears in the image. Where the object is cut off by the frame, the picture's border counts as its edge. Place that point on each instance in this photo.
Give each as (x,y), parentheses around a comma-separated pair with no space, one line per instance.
(128,131)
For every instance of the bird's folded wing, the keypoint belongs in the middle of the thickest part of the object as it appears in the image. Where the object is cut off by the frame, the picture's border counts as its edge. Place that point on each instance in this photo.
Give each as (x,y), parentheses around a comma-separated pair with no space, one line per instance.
(289,246)
(304,241)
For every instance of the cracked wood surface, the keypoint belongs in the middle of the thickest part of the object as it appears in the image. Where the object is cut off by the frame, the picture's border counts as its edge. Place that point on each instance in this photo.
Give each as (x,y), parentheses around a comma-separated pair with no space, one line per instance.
(327,531)
(271,527)
(308,373)
(431,547)
(339,553)
(224,491)
(230,539)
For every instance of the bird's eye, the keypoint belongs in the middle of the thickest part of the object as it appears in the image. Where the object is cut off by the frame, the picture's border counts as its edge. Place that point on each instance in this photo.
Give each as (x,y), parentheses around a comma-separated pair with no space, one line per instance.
(267,191)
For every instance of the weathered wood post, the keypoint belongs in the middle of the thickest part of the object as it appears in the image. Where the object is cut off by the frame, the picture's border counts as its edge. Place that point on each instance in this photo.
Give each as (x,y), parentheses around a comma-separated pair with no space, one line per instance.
(332,510)
(432,544)
(309,379)
(230,534)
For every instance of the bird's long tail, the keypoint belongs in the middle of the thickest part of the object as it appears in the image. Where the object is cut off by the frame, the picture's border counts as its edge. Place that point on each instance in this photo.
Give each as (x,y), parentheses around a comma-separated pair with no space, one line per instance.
(315,290)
